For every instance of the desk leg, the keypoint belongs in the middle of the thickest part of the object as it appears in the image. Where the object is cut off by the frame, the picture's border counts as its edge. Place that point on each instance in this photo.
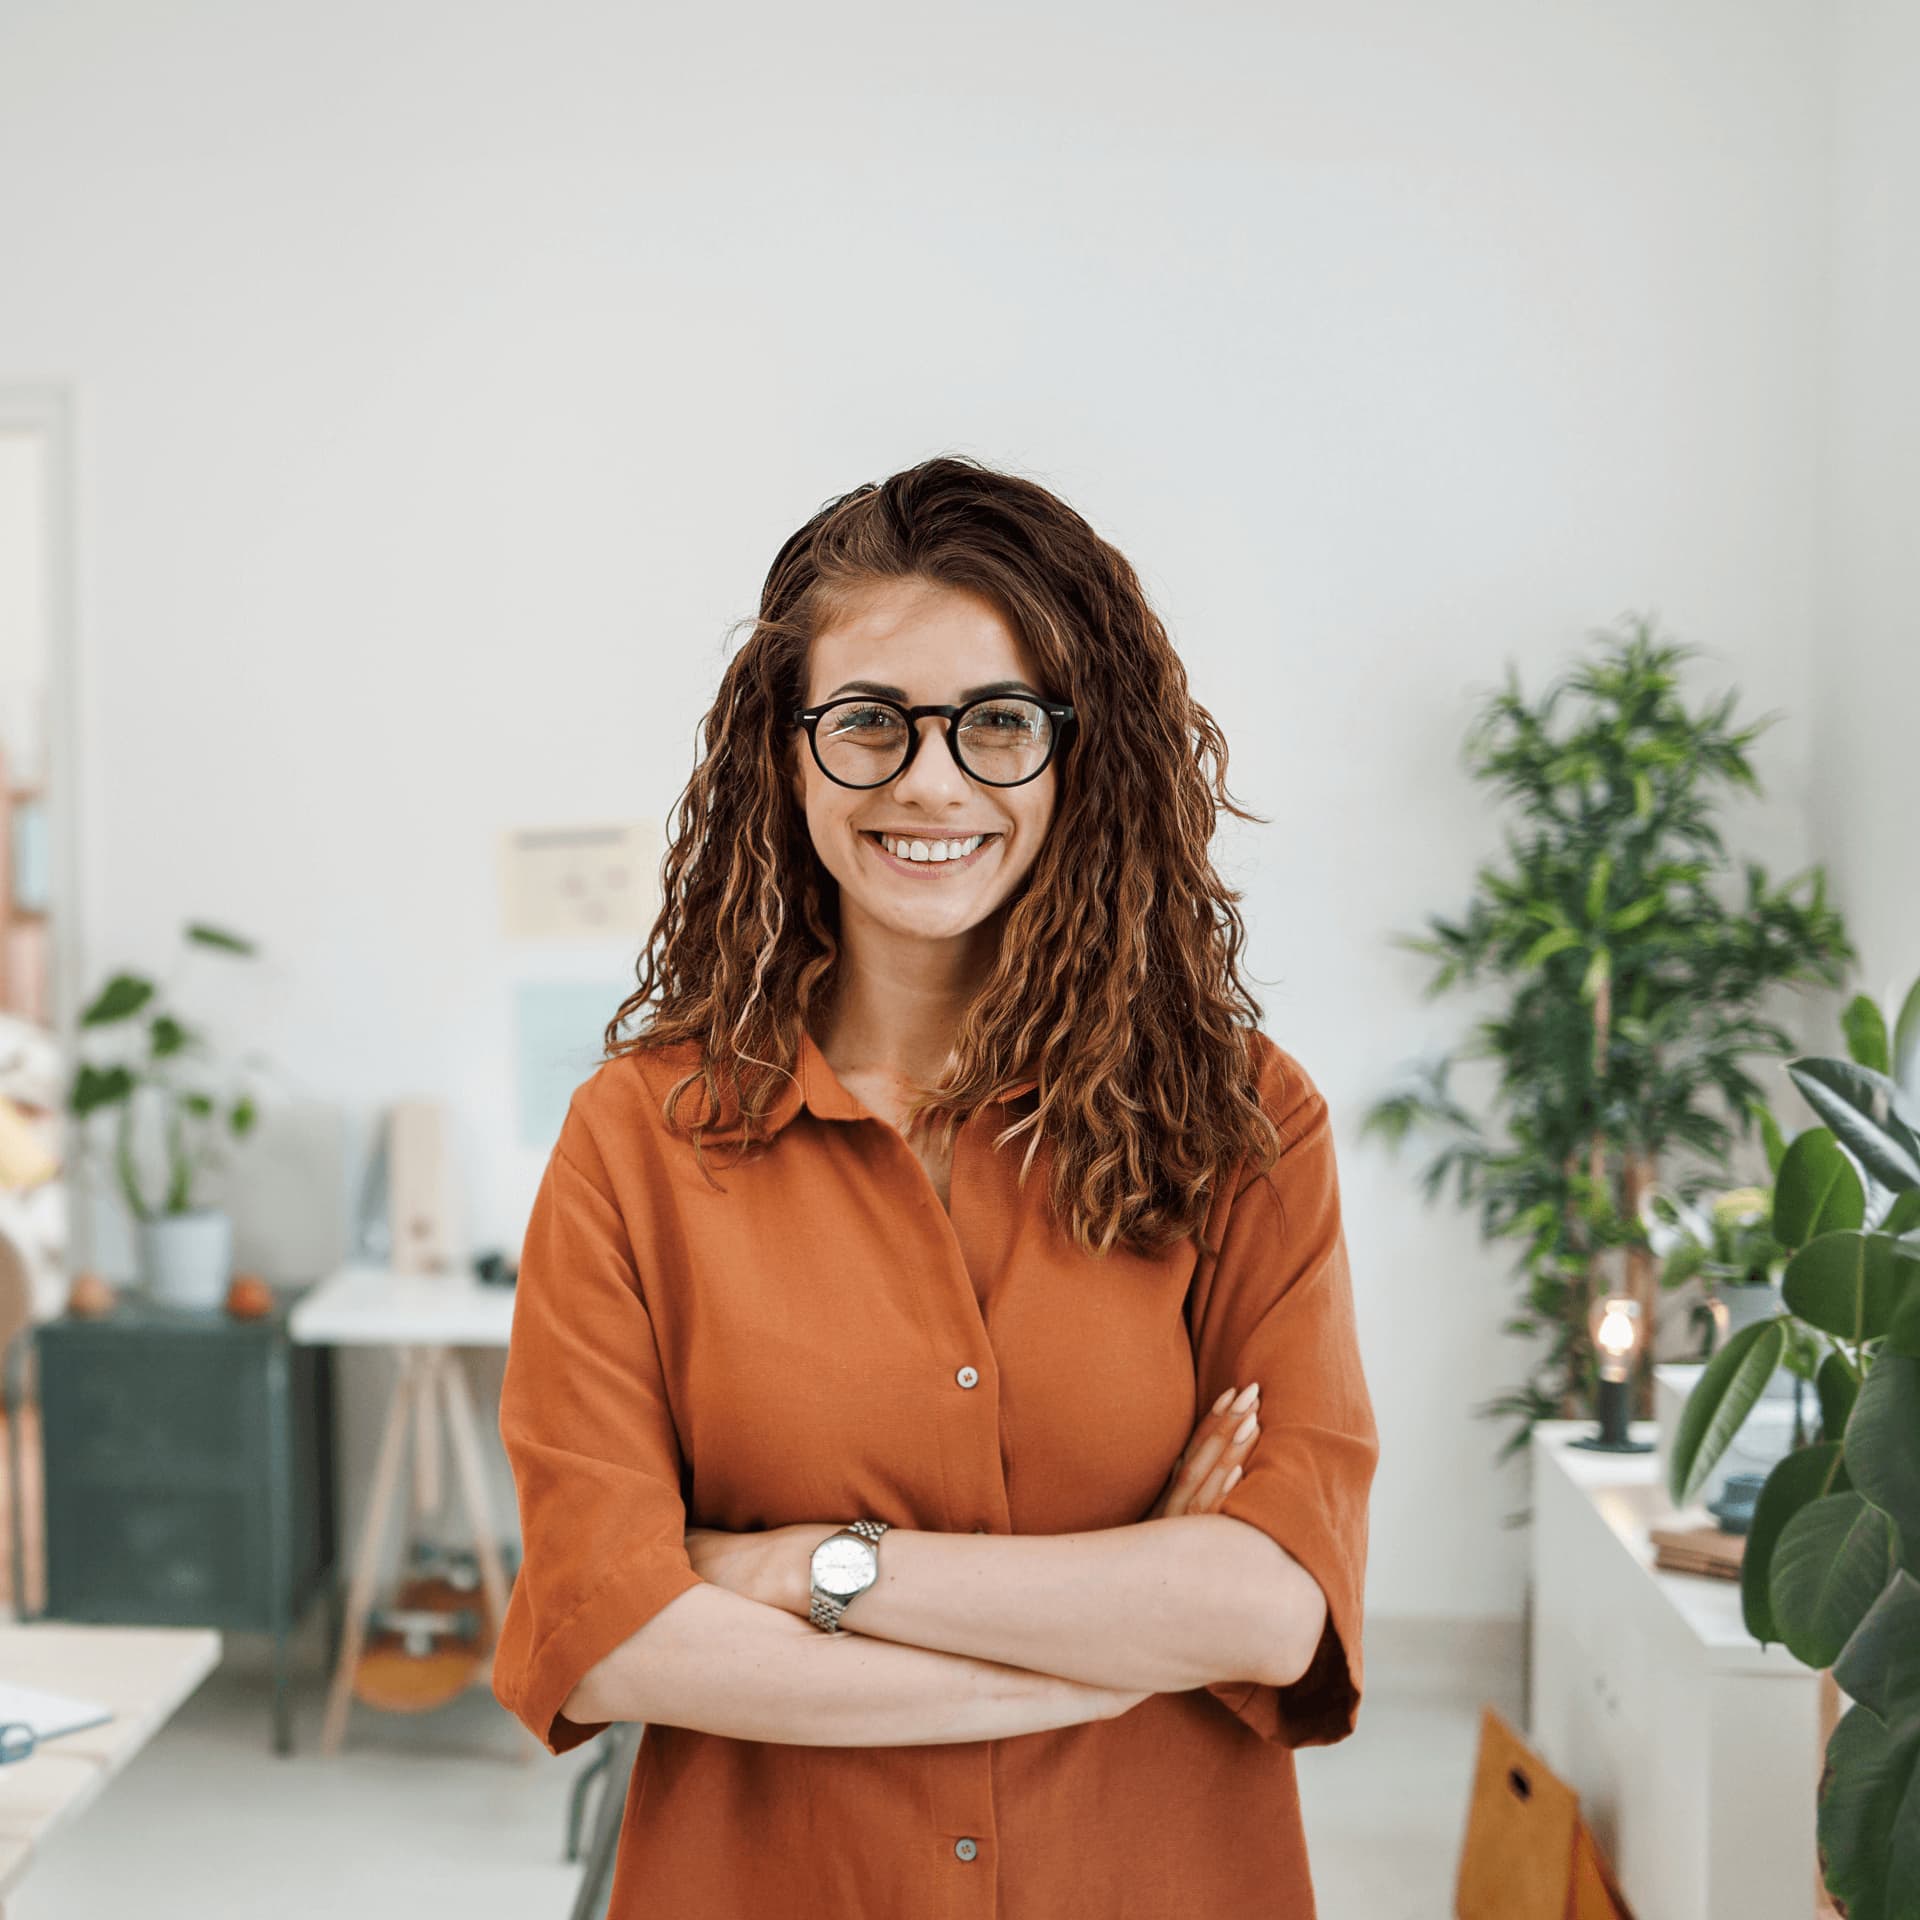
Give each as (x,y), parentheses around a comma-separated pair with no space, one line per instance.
(366,1570)
(464,1431)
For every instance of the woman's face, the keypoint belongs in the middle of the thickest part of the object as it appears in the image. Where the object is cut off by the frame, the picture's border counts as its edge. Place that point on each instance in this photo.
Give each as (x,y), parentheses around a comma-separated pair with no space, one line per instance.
(921,644)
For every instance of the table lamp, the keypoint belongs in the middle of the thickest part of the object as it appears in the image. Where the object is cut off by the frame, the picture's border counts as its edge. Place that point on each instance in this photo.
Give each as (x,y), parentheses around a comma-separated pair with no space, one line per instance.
(1614,1322)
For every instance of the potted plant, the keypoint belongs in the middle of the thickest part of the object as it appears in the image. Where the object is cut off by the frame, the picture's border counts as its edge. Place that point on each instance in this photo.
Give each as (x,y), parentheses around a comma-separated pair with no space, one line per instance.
(1831,1566)
(1724,1240)
(185,1250)
(1633,990)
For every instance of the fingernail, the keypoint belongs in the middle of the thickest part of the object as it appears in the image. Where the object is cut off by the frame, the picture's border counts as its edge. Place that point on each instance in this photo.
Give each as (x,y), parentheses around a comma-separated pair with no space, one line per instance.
(1227,1485)
(1248,1395)
(1245,1430)
(1220,1405)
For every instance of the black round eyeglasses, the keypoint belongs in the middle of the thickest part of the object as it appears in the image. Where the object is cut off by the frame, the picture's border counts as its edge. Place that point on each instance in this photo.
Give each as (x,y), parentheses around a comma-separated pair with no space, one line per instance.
(1002,740)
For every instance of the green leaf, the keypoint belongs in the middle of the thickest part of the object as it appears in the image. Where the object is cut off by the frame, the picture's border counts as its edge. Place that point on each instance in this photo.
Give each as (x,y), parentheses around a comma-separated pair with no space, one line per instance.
(1642,795)
(1868,1822)
(168,1036)
(1866,1030)
(1721,1400)
(1548,945)
(1770,1134)
(206,936)
(1883,1446)
(1829,1564)
(1599,972)
(1903,1216)
(1904,1334)
(1816,1190)
(1806,1475)
(1857,1104)
(1838,1387)
(244,1114)
(1879,1667)
(1632,916)
(1906,1043)
(123,995)
(1597,889)
(97,1087)
(1848,1284)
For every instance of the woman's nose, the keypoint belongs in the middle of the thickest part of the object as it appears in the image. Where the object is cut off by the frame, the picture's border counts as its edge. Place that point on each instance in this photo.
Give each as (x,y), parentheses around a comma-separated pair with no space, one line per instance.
(932,770)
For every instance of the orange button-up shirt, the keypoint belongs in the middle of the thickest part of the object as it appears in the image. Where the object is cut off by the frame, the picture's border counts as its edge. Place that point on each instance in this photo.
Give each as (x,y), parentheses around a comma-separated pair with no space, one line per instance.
(824,1340)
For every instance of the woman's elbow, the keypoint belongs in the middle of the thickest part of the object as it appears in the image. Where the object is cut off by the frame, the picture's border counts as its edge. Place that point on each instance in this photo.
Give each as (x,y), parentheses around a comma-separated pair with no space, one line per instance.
(1299,1639)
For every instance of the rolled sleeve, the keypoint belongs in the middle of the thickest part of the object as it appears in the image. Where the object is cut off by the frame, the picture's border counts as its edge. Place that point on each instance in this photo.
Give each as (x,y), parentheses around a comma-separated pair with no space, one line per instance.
(590,1437)
(1277,1307)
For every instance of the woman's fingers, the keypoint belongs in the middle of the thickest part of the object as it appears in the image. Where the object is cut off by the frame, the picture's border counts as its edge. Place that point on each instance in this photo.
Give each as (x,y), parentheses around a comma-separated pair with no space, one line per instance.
(1220,1482)
(1220,1445)
(1204,1456)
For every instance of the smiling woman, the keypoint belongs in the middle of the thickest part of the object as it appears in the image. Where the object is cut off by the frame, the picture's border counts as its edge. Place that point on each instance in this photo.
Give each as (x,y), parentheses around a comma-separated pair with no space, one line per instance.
(862,1474)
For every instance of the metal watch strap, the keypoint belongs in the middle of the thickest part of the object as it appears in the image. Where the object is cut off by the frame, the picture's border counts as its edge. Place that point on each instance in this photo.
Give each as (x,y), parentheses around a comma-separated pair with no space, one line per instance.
(823,1609)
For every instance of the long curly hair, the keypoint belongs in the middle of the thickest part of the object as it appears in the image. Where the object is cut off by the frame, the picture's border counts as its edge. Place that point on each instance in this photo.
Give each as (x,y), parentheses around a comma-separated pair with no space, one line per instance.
(1117,983)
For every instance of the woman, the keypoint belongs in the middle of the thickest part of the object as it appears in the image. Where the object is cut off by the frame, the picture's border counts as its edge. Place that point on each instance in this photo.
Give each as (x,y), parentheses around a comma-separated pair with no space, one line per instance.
(872,1289)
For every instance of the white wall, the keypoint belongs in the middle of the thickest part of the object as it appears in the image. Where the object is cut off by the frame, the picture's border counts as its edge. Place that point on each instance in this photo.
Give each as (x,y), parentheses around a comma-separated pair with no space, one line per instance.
(447,376)
(1866,665)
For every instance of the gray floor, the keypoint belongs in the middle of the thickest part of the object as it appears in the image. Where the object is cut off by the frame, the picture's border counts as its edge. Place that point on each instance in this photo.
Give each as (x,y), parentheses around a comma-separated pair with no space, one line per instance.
(433,1813)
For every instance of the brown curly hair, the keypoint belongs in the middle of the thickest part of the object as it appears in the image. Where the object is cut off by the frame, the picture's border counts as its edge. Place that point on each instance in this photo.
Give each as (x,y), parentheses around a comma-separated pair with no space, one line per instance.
(1117,984)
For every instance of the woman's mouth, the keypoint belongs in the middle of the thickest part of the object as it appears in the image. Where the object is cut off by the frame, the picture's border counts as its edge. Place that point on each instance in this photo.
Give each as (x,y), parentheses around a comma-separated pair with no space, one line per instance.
(950,846)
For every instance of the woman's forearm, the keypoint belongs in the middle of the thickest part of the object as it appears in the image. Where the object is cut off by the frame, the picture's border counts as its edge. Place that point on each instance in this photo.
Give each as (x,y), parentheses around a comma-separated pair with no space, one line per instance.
(717,1661)
(1160,1606)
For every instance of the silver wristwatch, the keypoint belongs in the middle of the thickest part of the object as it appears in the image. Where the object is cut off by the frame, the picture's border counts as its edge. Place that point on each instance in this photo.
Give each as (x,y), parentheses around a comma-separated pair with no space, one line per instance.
(845,1564)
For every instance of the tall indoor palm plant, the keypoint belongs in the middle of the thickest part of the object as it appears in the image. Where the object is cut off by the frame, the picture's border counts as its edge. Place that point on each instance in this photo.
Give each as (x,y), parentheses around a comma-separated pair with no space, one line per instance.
(1632,988)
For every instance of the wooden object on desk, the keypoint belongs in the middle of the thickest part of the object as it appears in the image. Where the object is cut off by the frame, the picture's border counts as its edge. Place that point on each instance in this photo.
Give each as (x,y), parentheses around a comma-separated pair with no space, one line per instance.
(142,1673)
(424,1317)
(420,1193)
(1693,1548)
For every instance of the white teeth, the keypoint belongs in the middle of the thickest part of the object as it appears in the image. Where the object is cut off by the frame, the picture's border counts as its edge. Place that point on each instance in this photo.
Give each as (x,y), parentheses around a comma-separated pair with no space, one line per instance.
(930,851)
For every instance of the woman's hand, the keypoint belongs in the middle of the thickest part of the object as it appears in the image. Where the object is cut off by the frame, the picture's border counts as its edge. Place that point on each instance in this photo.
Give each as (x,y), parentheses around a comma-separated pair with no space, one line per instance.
(753,1564)
(1211,1464)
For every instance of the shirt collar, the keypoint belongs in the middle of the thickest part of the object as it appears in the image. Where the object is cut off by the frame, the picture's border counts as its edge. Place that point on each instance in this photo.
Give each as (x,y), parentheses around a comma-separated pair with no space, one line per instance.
(821,1091)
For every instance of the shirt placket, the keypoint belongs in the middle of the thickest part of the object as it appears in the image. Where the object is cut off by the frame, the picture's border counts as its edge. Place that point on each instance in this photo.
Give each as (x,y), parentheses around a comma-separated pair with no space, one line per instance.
(965,1380)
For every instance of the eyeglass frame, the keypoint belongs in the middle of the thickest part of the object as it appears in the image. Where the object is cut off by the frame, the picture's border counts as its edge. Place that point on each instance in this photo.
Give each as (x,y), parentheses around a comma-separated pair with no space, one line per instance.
(1059,712)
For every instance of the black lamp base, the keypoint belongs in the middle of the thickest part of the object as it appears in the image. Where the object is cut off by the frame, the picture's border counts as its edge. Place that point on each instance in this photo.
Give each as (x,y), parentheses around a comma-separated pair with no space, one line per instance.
(1615,1408)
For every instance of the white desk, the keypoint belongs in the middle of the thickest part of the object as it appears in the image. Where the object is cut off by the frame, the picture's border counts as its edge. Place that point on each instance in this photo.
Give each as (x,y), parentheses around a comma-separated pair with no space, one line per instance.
(141,1673)
(362,1306)
(1695,1751)
(423,1317)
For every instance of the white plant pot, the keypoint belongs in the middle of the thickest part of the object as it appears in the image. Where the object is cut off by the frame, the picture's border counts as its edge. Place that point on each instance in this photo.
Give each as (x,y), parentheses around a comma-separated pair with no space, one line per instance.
(1744,1306)
(186,1259)
(1765,1435)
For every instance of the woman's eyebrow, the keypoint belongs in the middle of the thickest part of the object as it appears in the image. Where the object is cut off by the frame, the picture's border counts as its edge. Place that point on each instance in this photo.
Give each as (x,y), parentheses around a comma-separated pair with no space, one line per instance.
(972,693)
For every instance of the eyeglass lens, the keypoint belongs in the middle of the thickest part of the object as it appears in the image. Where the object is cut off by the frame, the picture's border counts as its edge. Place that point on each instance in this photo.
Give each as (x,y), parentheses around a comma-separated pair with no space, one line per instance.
(1000,741)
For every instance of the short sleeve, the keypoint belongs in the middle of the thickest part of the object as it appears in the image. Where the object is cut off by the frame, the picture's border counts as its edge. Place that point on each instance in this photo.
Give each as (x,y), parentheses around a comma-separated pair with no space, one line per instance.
(589,1434)
(1277,1307)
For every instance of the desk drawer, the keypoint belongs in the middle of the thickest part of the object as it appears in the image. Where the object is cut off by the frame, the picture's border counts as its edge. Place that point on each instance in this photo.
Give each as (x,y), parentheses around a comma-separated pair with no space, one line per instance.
(159,1557)
(153,1414)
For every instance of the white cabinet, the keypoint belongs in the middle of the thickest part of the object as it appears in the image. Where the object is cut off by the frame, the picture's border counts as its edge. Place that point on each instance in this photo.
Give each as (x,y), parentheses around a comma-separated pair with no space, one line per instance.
(1695,1751)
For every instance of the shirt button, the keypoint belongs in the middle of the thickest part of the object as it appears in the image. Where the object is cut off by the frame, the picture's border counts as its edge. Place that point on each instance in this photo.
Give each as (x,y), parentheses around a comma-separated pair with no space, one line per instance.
(965,1849)
(968,1377)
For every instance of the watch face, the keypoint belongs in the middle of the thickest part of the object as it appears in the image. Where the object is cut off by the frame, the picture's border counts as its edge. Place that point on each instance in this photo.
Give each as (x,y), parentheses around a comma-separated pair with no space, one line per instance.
(845,1564)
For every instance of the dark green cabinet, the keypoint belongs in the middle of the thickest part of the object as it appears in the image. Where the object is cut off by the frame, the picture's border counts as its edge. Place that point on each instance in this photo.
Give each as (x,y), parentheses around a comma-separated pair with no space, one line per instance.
(189,1475)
